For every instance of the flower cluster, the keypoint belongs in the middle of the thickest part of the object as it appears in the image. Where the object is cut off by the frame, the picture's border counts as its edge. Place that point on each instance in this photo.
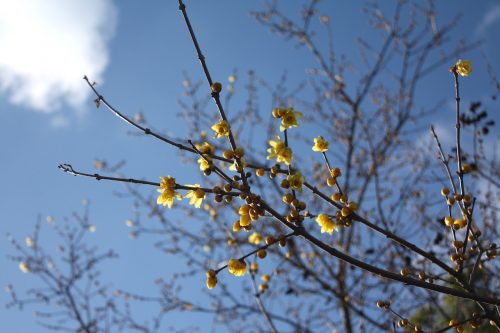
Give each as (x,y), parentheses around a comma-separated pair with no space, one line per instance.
(280,151)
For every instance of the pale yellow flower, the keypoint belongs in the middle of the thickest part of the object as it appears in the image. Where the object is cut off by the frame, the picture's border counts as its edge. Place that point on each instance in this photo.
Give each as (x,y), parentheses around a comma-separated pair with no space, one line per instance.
(211,279)
(195,196)
(244,212)
(29,242)
(221,128)
(24,267)
(255,238)
(237,267)
(320,144)
(326,223)
(204,163)
(167,192)
(280,151)
(296,181)
(243,163)
(205,148)
(463,67)
(289,118)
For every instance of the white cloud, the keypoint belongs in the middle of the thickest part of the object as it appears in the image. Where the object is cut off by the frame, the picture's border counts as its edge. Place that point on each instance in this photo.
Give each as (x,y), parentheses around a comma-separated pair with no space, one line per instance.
(490,18)
(47,46)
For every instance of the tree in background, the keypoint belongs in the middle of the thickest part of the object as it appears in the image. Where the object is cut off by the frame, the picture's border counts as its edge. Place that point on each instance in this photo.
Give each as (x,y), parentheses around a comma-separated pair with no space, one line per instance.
(335,220)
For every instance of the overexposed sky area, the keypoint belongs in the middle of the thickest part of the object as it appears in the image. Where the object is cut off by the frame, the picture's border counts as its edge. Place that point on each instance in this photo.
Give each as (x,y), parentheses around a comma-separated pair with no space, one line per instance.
(47,46)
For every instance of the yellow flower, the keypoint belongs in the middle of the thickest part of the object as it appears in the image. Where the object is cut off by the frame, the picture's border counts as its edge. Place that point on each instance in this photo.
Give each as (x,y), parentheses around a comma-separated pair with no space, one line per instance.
(320,144)
(204,163)
(205,148)
(289,118)
(221,128)
(279,151)
(195,196)
(244,211)
(24,267)
(211,279)
(255,238)
(243,164)
(167,192)
(29,242)
(167,183)
(326,223)
(463,67)
(237,267)
(296,180)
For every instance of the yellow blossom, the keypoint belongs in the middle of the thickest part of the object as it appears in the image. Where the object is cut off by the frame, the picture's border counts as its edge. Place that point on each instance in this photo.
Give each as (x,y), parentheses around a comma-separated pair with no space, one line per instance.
(167,192)
(204,163)
(205,148)
(296,180)
(221,128)
(167,183)
(195,196)
(243,163)
(211,282)
(289,118)
(279,151)
(320,144)
(245,220)
(29,242)
(237,267)
(24,267)
(463,67)
(255,238)
(211,279)
(326,223)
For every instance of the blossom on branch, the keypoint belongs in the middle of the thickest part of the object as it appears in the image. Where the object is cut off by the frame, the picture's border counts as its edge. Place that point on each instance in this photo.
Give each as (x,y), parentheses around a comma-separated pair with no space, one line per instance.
(280,151)
(167,192)
(326,223)
(296,180)
(195,196)
(289,118)
(221,128)
(463,67)
(237,267)
(320,144)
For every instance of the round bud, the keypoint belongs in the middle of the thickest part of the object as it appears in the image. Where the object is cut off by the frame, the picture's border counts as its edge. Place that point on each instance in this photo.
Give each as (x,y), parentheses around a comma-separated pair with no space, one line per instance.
(269,240)
(216,87)
(405,271)
(261,253)
(330,181)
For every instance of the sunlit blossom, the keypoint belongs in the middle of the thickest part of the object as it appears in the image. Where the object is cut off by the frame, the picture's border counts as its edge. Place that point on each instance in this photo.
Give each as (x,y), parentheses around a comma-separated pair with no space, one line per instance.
(195,196)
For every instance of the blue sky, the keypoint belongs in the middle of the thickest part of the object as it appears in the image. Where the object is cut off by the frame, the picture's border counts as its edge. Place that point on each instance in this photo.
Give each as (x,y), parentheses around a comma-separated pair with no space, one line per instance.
(138,53)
